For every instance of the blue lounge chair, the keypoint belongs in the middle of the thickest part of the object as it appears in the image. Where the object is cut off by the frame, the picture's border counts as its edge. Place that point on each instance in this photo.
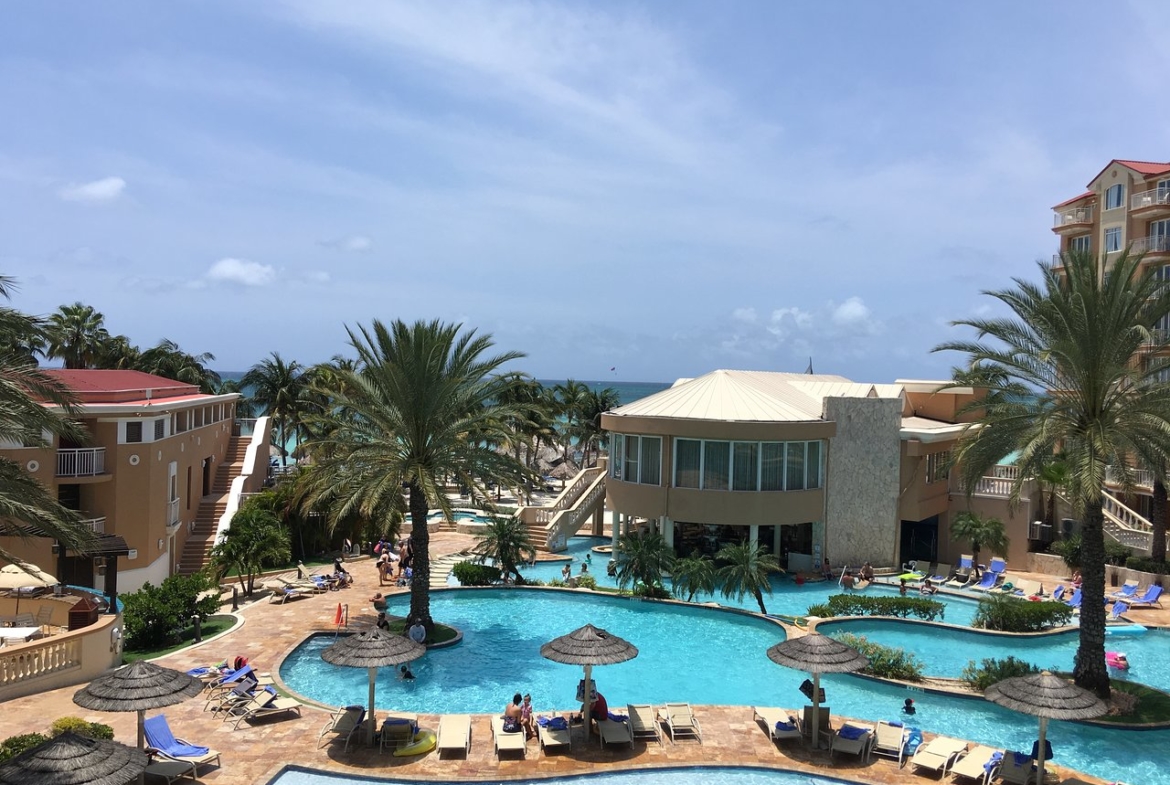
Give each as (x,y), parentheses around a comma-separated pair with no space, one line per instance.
(1075,600)
(987,583)
(1119,608)
(159,737)
(1058,594)
(1127,590)
(998,566)
(1149,599)
(963,573)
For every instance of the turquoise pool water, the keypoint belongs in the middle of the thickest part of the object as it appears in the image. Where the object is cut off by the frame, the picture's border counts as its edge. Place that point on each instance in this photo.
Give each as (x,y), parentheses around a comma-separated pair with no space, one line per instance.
(724,775)
(692,654)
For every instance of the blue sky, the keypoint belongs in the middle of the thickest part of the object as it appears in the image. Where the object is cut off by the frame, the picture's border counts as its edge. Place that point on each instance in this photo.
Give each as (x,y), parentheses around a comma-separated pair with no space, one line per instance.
(662,188)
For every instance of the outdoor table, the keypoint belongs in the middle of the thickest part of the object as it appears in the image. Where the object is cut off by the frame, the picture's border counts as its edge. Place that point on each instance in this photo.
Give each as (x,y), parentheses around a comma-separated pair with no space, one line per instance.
(19,633)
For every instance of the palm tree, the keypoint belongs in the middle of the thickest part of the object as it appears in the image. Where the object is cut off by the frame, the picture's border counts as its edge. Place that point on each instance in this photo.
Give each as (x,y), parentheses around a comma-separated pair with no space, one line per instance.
(1053,475)
(590,434)
(76,334)
(117,353)
(1059,373)
(642,558)
(570,400)
(1159,510)
(276,388)
(403,421)
(693,575)
(171,362)
(745,571)
(254,540)
(245,408)
(981,532)
(506,541)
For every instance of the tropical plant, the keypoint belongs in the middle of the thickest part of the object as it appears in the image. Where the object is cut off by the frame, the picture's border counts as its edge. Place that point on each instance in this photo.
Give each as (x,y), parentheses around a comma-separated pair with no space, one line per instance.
(992,671)
(885,662)
(255,539)
(589,431)
(94,730)
(1053,476)
(1159,512)
(471,574)
(156,615)
(641,558)
(980,532)
(746,568)
(171,362)
(506,541)
(1005,613)
(245,407)
(898,607)
(693,575)
(424,405)
(277,389)
(15,745)
(1060,373)
(76,334)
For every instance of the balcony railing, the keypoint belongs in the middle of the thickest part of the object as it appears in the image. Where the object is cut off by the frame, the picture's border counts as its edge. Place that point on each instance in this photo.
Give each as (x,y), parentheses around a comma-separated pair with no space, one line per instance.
(1160,244)
(1073,216)
(95,525)
(172,512)
(1153,198)
(81,462)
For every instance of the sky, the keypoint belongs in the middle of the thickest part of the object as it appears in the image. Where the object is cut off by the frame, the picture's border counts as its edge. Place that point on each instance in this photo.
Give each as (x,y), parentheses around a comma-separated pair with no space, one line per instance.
(624,191)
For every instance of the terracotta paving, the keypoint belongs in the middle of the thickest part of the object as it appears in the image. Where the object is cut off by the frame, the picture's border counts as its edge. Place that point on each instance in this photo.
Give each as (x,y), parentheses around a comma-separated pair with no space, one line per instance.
(253,754)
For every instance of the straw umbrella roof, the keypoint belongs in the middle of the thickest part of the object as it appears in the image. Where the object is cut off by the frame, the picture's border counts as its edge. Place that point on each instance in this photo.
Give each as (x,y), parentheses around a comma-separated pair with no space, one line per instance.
(15,576)
(138,686)
(589,646)
(373,648)
(564,470)
(1046,695)
(816,653)
(70,759)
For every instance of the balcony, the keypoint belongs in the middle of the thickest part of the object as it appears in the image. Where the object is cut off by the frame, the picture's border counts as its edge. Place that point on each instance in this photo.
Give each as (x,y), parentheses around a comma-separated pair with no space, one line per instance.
(1072,220)
(173,512)
(1151,203)
(81,462)
(95,525)
(1154,248)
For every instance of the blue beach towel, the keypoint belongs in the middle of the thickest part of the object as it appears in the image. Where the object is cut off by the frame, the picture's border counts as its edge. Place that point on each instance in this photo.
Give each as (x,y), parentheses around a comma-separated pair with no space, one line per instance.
(158,735)
(851,732)
(1047,749)
(1020,759)
(617,717)
(786,726)
(996,757)
(913,741)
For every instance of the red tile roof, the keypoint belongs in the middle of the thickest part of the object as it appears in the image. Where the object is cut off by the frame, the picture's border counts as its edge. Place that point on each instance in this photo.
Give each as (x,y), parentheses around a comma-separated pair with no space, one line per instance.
(1085,195)
(1146,167)
(94,386)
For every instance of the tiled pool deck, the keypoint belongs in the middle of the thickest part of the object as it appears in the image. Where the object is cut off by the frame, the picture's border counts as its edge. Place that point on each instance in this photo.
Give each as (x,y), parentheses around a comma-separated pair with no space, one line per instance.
(253,754)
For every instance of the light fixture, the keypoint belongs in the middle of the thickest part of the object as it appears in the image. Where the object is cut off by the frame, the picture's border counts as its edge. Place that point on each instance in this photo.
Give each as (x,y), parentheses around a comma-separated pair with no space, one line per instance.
(160,543)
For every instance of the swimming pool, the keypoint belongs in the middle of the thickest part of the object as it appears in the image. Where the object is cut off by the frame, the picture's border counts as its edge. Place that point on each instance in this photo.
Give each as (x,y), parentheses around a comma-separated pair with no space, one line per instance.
(687,653)
(725,775)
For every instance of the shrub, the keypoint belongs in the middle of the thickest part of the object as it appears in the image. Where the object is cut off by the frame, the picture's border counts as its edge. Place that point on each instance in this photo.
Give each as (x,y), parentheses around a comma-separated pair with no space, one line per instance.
(654,591)
(887,662)
(1012,614)
(989,671)
(156,615)
(586,581)
(14,745)
(1116,553)
(556,582)
(1070,551)
(859,605)
(94,730)
(1143,564)
(472,574)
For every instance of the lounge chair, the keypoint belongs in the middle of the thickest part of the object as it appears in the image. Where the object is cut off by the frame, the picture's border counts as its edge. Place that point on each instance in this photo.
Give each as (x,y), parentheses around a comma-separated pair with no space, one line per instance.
(963,573)
(852,740)
(986,583)
(1149,598)
(159,738)
(1017,768)
(941,573)
(613,732)
(1127,590)
(998,565)
(263,704)
(344,723)
(779,723)
(825,722)
(681,721)
(643,722)
(1026,588)
(454,734)
(938,755)
(507,741)
(1075,600)
(890,740)
(283,595)
(240,692)
(554,732)
(1117,611)
(397,730)
(980,765)
(170,770)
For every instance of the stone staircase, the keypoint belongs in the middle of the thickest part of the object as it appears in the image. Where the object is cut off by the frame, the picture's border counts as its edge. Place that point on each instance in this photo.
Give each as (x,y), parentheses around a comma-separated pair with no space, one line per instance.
(197,548)
(1126,526)
(441,568)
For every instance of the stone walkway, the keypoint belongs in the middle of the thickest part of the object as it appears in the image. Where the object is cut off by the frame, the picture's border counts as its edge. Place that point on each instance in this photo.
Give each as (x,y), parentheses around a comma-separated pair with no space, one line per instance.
(253,754)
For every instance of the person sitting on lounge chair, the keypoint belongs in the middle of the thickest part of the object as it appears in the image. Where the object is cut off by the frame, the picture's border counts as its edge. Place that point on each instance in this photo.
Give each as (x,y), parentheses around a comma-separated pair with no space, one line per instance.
(513,715)
(527,722)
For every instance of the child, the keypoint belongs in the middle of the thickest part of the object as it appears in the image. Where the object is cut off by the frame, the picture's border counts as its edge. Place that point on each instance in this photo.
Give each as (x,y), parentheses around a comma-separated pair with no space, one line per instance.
(526,720)
(908,706)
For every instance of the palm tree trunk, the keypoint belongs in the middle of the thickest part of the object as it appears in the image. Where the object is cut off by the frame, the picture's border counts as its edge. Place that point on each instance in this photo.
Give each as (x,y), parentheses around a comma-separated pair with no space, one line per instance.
(420,546)
(1089,671)
(763,610)
(1158,537)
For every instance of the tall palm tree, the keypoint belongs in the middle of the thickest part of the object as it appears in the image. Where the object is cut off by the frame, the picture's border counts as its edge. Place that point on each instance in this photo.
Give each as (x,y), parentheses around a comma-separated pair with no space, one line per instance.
(76,334)
(596,403)
(746,570)
(981,532)
(1159,511)
(254,540)
(1060,373)
(404,423)
(506,541)
(117,353)
(693,575)
(570,400)
(642,557)
(276,388)
(1053,476)
(171,362)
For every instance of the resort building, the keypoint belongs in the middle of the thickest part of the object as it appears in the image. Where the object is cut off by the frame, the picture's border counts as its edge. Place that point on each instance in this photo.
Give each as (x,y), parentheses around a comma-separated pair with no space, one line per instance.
(154,480)
(810,466)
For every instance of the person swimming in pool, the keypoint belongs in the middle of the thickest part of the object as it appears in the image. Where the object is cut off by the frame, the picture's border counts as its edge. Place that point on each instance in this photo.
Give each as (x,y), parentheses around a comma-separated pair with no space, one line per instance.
(908,707)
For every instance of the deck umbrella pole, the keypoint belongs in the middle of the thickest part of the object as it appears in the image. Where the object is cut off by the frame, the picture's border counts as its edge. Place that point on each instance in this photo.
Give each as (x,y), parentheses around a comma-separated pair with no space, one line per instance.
(370,719)
(816,703)
(587,712)
(1040,748)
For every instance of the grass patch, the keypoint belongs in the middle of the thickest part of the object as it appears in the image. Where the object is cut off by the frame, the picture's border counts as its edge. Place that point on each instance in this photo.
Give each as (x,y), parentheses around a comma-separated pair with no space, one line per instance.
(214,625)
(1152,705)
(441,634)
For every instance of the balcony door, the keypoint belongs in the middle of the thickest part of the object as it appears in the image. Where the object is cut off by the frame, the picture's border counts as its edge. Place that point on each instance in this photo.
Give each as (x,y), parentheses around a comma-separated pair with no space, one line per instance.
(206,469)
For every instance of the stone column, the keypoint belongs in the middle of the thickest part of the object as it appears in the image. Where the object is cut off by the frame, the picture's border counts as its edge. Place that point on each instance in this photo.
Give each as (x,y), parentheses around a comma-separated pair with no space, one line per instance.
(754,534)
(668,530)
(615,527)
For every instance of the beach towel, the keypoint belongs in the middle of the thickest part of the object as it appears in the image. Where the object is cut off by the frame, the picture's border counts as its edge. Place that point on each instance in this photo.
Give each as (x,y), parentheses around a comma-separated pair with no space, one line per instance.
(996,757)
(159,736)
(617,717)
(851,732)
(786,726)
(1047,749)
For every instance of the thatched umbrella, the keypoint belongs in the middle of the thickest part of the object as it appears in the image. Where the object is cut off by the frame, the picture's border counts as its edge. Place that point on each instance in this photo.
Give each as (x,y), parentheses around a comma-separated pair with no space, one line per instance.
(564,471)
(816,654)
(375,648)
(1049,698)
(137,687)
(20,575)
(70,759)
(588,646)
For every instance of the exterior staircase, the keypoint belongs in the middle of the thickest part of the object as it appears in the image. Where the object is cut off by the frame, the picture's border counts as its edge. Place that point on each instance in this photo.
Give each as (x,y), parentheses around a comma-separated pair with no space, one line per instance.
(197,548)
(1126,526)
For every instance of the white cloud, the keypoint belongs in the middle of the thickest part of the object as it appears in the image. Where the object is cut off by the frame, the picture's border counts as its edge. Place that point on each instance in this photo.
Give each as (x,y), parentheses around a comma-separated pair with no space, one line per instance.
(747,315)
(357,243)
(851,313)
(802,320)
(105,190)
(242,272)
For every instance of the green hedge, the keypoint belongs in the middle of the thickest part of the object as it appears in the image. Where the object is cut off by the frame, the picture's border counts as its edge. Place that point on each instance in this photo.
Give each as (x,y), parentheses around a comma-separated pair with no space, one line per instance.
(471,574)
(1143,564)
(155,616)
(860,605)
(94,730)
(14,745)
(989,671)
(586,581)
(887,662)
(1070,550)
(1013,614)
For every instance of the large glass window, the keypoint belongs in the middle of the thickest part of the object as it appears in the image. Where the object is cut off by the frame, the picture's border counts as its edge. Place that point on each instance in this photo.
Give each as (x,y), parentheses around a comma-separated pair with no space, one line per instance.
(795,474)
(772,466)
(1113,239)
(716,465)
(938,466)
(813,466)
(1114,196)
(651,461)
(631,469)
(637,458)
(1081,243)
(745,465)
(616,456)
(687,462)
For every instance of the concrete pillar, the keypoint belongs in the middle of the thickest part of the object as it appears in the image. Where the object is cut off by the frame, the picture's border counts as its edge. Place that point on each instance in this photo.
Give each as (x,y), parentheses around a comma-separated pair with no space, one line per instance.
(615,527)
(668,530)
(754,534)
(777,533)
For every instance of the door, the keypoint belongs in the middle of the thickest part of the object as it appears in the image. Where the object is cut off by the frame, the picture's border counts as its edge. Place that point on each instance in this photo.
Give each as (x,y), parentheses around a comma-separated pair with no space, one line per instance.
(206,476)
(919,541)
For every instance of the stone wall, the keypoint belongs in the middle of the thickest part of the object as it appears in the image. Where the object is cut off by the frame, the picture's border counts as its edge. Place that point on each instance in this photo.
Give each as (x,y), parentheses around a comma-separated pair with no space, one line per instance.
(862,475)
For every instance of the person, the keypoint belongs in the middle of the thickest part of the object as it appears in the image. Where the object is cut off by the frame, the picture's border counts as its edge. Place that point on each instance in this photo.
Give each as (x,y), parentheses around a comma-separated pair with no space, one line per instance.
(927,587)
(405,674)
(600,709)
(405,553)
(867,572)
(902,587)
(383,622)
(847,581)
(340,576)
(417,632)
(1076,579)
(527,722)
(799,578)
(566,572)
(589,558)
(512,715)
(611,568)
(908,707)
(584,568)
(826,570)
(379,602)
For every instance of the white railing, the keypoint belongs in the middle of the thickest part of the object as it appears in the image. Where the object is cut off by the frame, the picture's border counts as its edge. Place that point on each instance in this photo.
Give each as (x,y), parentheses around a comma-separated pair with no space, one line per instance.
(1057,260)
(1122,515)
(95,525)
(993,486)
(1073,215)
(568,522)
(172,512)
(1005,471)
(569,496)
(81,462)
(1160,244)
(1149,198)
(1140,478)
(258,441)
(37,659)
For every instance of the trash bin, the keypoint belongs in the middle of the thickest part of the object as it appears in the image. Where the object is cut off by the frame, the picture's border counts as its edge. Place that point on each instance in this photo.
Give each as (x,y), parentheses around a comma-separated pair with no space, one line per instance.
(84,613)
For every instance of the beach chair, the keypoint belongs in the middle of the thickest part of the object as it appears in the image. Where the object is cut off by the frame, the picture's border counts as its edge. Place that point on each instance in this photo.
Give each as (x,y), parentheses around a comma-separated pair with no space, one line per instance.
(170,770)
(986,583)
(240,692)
(1075,600)
(963,572)
(159,738)
(779,723)
(681,721)
(454,734)
(1017,768)
(979,765)
(643,722)
(507,741)
(613,732)
(1149,598)
(397,730)
(554,732)
(343,723)
(1127,590)
(263,704)
(45,618)
(852,739)
(938,755)
(998,565)
(825,722)
(1026,588)
(1118,610)
(283,595)
(889,739)
(942,573)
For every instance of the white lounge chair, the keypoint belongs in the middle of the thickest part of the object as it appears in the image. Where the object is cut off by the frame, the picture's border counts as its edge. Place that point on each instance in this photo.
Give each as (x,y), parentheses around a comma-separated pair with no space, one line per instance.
(890,740)
(454,734)
(852,739)
(780,723)
(507,741)
(554,737)
(643,722)
(263,704)
(938,755)
(612,732)
(1018,768)
(980,765)
(681,721)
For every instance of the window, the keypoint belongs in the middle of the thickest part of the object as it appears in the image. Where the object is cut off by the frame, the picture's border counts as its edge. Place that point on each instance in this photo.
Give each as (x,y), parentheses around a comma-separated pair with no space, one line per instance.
(134,432)
(616,454)
(1163,191)
(745,465)
(938,466)
(716,465)
(651,461)
(813,466)
(794,480)
(772,466)
(687,462)
(1114,196)
(637,459)
(630,473)
(1113,239)
(1079,244)
(160,429)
